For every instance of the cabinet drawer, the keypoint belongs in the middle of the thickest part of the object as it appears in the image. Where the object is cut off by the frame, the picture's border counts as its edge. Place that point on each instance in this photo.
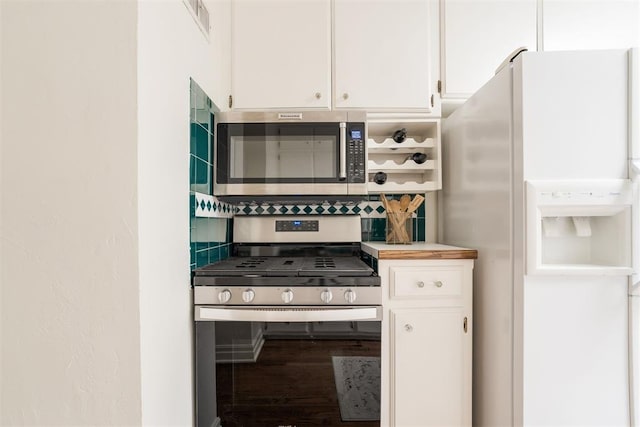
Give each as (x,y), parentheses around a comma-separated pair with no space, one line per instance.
(426,282)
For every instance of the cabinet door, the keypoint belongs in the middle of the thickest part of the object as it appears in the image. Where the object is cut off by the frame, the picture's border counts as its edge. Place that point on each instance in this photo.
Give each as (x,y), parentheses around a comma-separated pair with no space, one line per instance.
(590,24)
(431,379)
(381,54)
(281,54)
(476,36)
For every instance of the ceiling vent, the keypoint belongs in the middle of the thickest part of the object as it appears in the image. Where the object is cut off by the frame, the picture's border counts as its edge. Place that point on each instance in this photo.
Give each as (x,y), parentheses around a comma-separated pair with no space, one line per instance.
(200,14)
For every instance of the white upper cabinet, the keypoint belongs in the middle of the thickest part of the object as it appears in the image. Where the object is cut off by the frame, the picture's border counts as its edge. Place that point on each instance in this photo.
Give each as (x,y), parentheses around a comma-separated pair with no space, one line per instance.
(376,55)
(593,24)
(281,54)
(382,54)
(477,35)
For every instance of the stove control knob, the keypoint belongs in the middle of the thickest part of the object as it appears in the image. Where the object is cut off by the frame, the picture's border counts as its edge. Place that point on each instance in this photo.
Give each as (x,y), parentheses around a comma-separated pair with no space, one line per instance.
(326,296)
(287,296)
(224,296)
(248,295)
(350,296)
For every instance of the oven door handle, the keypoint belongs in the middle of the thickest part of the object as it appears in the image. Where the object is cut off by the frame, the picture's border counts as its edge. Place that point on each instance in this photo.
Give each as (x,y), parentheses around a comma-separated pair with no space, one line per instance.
(343,151)
(288,314)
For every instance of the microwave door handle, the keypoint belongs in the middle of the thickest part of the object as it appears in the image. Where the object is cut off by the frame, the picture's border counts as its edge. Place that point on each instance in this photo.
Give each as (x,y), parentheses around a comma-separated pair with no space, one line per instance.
(343,151)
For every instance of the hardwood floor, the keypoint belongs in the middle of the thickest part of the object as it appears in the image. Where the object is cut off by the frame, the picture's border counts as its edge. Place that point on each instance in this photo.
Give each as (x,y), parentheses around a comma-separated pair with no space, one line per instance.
(292,385)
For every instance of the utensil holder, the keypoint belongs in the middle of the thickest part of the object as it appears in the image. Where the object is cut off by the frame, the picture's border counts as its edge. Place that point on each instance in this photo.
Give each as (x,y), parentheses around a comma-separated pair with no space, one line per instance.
(399,228)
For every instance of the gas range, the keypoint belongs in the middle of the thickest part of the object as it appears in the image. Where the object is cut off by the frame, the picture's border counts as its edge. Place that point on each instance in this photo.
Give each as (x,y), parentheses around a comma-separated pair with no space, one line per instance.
(298,261)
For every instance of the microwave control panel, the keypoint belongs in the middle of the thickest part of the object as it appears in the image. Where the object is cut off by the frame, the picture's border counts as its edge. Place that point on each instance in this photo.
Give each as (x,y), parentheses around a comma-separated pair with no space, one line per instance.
(356,153)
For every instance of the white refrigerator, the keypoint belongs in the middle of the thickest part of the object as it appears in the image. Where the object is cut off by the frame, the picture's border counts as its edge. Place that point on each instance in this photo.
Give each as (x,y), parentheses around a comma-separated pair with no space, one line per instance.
(537,177)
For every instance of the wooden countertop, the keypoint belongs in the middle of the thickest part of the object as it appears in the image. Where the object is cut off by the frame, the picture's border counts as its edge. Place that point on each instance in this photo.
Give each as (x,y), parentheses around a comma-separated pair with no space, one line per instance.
(417,250)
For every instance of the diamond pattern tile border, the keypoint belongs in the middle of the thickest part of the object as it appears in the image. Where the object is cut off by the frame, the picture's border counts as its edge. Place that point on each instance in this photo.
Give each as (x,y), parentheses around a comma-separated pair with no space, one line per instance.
(366,209)
(208,206)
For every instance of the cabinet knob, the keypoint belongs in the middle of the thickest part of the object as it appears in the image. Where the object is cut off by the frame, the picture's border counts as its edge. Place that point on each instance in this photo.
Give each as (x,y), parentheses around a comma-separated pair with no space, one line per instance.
(421,284)
(318,95)
(438,284)
(345,96)
(408,328)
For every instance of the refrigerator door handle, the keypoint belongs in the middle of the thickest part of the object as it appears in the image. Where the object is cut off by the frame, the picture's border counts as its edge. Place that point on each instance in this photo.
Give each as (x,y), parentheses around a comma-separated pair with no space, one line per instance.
(635,232)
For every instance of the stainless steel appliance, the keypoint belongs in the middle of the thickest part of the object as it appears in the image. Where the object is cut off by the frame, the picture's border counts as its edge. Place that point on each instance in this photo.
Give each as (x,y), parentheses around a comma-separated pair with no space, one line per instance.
(317,153)
(271,319)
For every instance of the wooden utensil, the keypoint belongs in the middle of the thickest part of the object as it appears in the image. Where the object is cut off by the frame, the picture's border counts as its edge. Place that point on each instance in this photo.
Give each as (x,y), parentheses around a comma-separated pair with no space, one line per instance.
(405,200)
(415,203)
(396,217)
(385,202)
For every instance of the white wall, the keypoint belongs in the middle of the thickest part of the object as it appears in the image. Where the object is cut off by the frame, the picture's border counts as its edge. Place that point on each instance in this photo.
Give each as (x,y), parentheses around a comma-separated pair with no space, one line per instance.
(171,50)
(69,237)
(96,307)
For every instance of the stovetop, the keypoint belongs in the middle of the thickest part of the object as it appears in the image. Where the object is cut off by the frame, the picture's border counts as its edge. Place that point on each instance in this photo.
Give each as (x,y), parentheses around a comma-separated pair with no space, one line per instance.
(286,266)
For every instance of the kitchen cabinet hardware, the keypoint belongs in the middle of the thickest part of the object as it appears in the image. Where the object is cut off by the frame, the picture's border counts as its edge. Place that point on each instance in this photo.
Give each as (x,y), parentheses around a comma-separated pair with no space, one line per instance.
(335,58)
(430,340)
(318,95)
(438,283)
(230,101)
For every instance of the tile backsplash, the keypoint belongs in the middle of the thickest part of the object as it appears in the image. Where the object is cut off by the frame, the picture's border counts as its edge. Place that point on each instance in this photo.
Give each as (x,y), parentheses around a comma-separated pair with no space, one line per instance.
(370,210)
(212,220)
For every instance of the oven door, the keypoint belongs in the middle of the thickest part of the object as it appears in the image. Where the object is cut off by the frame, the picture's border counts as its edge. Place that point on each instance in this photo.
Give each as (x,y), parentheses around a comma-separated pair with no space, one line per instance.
(276,158)
(288,366)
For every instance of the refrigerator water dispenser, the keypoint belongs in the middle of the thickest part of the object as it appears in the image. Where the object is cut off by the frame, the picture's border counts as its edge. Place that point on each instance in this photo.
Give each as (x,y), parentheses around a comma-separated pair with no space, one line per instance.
(579,227)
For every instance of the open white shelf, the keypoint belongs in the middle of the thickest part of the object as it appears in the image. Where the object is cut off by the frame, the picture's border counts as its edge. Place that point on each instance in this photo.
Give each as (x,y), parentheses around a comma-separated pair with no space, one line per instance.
(403,174)
(408,166)
(389,143)
(401,187)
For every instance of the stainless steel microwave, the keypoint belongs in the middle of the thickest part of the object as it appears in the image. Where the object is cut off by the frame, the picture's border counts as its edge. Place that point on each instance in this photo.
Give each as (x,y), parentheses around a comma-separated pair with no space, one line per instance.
(301,153)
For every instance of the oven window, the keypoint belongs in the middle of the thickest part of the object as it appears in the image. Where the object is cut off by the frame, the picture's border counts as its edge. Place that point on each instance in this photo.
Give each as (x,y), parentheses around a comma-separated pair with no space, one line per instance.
(259,152)
(298,374)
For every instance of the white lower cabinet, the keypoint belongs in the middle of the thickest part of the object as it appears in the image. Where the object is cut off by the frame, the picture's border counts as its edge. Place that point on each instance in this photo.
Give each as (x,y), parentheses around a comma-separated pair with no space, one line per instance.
(429,364)
(427,342)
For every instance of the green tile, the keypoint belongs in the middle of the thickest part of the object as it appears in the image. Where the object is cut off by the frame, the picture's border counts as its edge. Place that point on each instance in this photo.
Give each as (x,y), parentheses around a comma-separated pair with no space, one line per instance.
(192,171)
(229,230)
(420,233)
(421,209)
(201,143)
(193,133)
(378,229)
(202,258)
(214,254)
(202,172)
(224,252)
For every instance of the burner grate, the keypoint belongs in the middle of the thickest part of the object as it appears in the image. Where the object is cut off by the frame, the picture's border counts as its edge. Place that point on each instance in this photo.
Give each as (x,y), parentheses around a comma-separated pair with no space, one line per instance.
(251,263)
(324,263)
